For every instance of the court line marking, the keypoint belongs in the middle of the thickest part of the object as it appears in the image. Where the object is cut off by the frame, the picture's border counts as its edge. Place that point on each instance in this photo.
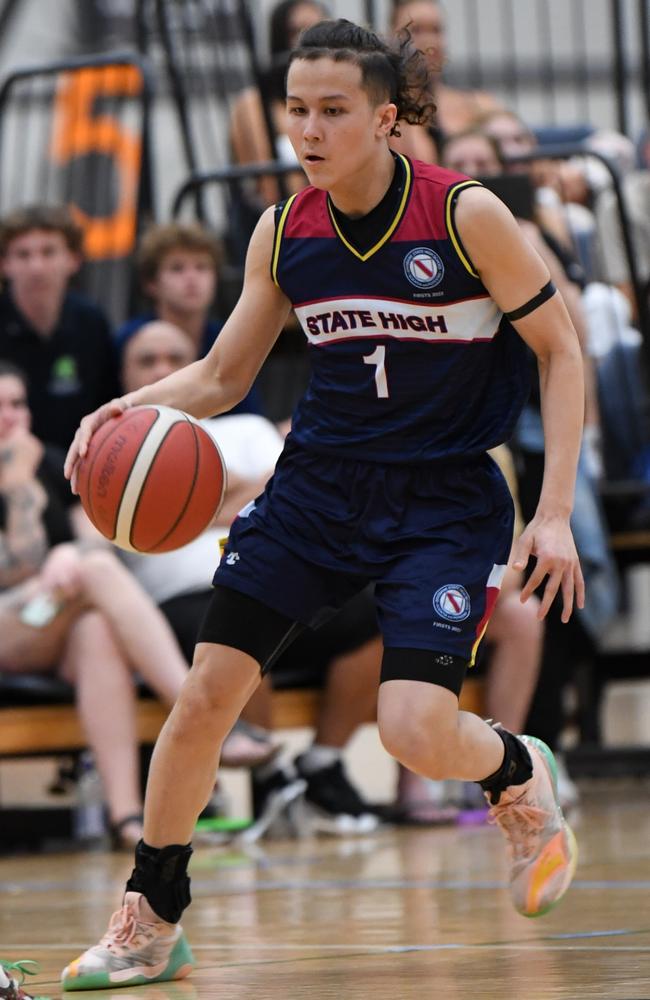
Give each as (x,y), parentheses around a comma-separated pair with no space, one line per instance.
(313,885)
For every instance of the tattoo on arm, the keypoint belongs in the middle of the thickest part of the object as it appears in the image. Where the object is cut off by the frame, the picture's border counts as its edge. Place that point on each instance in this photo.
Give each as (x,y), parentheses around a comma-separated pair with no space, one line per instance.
(23,544)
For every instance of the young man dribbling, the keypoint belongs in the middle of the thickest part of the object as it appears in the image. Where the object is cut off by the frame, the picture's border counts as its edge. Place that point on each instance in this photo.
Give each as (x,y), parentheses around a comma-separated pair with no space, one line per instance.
(407,280)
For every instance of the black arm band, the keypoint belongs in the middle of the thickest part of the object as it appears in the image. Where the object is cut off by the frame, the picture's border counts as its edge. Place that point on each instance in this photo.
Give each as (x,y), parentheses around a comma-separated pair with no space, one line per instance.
(542,296)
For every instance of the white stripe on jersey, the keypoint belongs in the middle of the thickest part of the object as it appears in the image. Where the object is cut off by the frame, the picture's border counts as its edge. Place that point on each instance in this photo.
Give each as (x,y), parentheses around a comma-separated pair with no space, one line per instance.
(497,573)
(330,321)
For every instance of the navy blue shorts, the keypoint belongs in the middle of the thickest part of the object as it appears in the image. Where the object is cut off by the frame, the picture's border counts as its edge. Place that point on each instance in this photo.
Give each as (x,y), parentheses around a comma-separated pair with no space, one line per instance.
(434,539)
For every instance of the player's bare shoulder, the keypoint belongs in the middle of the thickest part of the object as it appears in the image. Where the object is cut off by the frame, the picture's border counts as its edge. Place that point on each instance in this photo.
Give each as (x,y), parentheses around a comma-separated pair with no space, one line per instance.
(492,237)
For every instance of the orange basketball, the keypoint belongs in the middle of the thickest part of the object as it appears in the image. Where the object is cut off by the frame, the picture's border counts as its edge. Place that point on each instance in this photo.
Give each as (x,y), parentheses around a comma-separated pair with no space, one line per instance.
(152,479)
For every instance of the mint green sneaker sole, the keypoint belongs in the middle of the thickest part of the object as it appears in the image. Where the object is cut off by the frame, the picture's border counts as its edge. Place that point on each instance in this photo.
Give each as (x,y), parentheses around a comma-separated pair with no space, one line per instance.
(549,757)
(180,964)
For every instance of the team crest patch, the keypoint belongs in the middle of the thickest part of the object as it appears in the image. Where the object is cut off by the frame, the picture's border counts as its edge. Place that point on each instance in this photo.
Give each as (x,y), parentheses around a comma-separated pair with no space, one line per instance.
(452,602)
(423,267)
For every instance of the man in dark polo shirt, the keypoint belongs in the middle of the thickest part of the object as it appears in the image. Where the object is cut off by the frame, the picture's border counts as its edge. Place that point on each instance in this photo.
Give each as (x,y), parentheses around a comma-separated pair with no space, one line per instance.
(59,338)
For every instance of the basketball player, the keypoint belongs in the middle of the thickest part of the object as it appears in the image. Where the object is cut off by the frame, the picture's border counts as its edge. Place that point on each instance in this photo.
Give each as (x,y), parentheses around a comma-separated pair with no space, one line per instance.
(419,299)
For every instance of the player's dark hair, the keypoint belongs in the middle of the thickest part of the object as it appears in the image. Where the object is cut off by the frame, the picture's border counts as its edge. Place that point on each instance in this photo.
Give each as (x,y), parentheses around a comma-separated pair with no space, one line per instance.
(399,74)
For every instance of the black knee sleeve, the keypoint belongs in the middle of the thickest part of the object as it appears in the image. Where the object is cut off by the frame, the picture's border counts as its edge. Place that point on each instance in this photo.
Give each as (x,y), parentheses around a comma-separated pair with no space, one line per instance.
(160,874)
(517,767)
(443,669)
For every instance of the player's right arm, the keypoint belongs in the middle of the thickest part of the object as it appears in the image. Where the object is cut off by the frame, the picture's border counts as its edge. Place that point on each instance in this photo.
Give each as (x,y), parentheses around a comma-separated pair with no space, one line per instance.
(221,379)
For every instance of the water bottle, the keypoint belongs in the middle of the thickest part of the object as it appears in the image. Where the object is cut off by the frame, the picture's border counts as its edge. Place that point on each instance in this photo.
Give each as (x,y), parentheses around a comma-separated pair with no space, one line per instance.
(89,819)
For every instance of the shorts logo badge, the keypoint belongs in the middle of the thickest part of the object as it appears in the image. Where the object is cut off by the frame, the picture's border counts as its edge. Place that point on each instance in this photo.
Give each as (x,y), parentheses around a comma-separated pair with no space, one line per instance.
(423,267)
(232,558)
(452,602)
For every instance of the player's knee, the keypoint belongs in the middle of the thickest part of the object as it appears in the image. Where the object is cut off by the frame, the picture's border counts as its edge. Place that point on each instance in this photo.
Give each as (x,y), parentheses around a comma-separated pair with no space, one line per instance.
(420,733)
(417,739)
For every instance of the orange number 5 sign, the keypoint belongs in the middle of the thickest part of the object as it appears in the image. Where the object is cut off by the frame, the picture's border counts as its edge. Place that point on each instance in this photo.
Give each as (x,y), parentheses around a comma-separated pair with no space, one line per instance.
(81,130)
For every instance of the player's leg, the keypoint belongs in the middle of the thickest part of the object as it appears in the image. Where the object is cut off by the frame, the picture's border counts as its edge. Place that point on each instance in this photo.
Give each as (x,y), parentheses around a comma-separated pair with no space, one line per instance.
(434,604)
(421,726)
(144,942)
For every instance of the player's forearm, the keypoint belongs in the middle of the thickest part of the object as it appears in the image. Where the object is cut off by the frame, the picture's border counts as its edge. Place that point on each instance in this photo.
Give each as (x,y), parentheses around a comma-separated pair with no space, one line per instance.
(562,390)
(195,389)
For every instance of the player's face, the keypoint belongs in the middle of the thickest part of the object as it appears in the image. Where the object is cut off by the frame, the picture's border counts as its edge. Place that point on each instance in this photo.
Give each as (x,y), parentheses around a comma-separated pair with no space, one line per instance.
(472,155)
(39,264)
(14,411)
(426,25)
(157,350)
(186,282)
(335,128)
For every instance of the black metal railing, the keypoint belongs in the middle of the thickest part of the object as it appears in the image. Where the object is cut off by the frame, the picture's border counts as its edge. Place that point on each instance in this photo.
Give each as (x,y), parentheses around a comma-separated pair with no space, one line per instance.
(590,65)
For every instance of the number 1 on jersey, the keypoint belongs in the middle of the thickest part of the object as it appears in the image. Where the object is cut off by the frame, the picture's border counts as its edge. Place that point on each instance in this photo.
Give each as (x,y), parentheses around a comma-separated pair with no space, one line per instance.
(378,358)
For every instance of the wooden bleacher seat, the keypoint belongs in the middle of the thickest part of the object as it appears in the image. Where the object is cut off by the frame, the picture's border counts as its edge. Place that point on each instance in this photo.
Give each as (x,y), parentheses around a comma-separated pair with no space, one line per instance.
(30,730)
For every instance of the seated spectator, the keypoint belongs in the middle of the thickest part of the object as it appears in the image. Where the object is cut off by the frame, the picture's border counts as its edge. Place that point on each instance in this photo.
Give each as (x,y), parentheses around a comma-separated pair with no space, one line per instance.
(68,606)
(179,270)
(249,136)
(456,110)
(348,650)
(60,339)
(636,191)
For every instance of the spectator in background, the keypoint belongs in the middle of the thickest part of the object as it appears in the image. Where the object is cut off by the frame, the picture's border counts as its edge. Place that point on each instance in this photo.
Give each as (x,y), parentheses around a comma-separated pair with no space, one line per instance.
(249,135)
(68,606)
(178,266)
(60,339)
(345,654)
(456,109)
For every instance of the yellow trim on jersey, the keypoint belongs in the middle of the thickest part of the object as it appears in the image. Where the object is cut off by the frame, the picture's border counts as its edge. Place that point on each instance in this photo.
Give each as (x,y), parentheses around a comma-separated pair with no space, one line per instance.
(394,224)
(458,247)
(472,659)
(278,238)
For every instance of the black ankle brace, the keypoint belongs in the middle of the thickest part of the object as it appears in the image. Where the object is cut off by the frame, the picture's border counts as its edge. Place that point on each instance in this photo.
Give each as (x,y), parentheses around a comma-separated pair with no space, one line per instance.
(517,767)
(160,874)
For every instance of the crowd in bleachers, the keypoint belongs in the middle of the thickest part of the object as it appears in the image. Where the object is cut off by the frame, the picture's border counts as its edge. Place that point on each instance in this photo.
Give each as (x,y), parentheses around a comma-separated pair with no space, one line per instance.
(73,606)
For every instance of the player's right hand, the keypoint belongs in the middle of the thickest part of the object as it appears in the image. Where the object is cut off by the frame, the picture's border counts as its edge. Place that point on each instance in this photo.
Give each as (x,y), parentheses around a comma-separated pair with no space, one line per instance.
(90,423)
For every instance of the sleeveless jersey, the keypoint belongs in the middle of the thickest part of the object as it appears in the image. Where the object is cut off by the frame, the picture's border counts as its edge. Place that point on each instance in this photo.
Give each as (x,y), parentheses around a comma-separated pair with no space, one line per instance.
(412,360)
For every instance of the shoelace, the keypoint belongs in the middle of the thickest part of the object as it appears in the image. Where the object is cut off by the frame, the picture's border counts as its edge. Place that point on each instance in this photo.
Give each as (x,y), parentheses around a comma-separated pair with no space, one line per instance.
(123,927)
(520,823)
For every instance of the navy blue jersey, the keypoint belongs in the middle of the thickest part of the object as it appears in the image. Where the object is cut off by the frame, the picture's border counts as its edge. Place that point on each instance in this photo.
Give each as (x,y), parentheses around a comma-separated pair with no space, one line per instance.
(411,359)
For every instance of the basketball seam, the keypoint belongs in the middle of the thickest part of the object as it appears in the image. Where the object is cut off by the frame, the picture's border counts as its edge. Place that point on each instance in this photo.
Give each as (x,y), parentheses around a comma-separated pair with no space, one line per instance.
(189,492)
(160,413)
(91,512)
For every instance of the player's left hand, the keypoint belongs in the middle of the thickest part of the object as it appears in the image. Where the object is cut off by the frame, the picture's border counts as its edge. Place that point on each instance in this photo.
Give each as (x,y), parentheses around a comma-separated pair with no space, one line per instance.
(550,541)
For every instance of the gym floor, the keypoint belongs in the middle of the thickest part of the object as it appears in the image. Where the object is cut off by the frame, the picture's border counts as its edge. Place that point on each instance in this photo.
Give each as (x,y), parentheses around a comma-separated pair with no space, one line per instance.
(404,914)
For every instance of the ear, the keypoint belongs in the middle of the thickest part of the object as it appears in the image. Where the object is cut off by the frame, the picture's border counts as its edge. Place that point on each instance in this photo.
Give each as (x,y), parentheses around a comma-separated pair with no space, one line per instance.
(386,118)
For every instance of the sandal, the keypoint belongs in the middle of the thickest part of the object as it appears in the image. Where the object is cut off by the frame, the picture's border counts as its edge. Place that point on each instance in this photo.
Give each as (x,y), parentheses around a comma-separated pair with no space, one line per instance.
(121,840)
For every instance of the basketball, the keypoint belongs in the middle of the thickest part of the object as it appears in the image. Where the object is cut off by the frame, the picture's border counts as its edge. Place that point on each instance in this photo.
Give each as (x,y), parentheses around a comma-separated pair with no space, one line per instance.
(152,479)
